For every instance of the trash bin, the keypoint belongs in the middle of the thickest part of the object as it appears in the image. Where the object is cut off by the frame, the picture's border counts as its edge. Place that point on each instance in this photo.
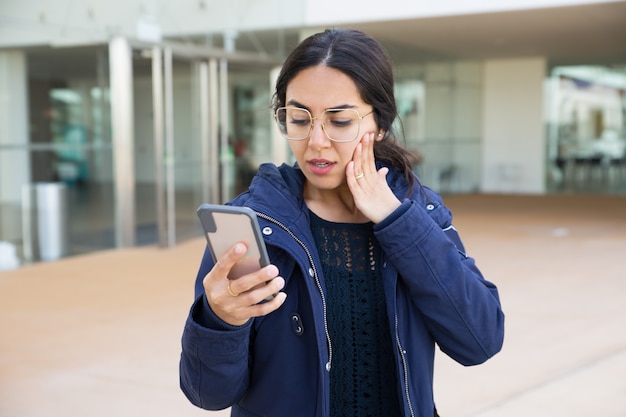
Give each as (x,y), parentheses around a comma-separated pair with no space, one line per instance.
(8,256)
(44,220)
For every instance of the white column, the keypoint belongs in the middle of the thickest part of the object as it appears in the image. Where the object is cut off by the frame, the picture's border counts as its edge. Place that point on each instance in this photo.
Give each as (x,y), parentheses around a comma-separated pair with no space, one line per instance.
(14,155)
(280,146)
(122,118)
(514,149)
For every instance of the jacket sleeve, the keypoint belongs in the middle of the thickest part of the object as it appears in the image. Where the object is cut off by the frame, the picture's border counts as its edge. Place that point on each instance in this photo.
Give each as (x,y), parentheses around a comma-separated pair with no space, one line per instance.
(214,360)
(461,309)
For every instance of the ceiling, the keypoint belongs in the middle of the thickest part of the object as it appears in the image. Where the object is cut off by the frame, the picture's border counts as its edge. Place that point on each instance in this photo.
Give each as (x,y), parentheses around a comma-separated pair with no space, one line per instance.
(594,33)
(573,35)
(576,34)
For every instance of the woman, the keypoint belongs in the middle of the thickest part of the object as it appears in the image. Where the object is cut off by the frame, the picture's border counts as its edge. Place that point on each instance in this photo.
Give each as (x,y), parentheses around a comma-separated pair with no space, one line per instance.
(368,271)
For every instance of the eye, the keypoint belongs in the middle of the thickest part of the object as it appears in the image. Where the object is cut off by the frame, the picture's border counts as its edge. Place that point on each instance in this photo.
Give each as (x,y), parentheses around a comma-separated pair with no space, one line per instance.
(341,122)
(340,118)
(299,117)
(300,121)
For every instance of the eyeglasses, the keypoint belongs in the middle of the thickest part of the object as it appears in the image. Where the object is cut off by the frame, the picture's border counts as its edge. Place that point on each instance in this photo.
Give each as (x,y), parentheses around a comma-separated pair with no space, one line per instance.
(339,125)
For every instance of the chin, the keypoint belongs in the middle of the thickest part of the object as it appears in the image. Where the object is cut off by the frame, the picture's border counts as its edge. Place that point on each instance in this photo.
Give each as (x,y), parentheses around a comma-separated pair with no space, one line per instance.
(326,184)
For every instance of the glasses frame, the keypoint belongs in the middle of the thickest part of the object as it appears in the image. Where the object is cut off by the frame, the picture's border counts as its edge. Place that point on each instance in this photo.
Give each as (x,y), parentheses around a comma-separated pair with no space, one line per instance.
(313,119)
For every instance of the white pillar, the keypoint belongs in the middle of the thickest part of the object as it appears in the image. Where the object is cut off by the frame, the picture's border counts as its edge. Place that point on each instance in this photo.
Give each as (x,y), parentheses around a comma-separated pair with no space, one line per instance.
(514,149)
(280,146)
(14,139)
(122,117)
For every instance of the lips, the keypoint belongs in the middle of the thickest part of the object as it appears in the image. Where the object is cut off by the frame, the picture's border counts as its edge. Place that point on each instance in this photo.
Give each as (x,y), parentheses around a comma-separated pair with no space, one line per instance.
(320,166)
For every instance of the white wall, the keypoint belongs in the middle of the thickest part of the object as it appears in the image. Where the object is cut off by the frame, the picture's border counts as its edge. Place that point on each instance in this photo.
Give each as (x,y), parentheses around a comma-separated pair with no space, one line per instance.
(513,149)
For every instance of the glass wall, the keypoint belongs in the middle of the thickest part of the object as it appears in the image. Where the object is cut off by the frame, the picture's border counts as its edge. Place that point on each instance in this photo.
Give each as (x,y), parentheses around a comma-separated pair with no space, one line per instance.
(69,139)
(184,158)
(440,110)
(587,129)
(69,143)
(250,125)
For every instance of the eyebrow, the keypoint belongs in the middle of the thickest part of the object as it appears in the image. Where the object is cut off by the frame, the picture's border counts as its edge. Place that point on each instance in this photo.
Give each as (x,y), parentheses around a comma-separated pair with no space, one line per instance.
(296,103)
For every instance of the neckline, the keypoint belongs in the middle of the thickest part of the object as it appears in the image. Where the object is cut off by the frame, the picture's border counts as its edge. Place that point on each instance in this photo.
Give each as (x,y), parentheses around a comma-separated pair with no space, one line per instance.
(315,219)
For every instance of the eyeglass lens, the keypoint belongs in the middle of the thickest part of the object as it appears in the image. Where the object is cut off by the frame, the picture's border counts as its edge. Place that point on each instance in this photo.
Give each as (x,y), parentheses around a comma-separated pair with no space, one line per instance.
(340,125)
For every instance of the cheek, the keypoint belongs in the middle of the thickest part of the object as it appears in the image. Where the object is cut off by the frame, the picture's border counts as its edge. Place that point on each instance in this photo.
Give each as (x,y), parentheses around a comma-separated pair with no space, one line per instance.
(347,152)
(297,147)
(370,126)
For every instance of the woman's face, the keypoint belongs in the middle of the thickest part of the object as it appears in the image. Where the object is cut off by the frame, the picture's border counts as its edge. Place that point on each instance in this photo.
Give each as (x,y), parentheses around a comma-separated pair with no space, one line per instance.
(323,161)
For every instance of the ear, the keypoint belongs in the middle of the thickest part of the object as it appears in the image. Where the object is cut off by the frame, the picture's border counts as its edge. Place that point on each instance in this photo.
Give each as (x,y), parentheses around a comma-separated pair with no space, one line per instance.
(380,135)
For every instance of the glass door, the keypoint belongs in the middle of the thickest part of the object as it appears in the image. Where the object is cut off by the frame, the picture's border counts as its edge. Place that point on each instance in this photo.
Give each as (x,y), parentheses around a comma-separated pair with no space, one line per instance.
(202,126)
(169,94)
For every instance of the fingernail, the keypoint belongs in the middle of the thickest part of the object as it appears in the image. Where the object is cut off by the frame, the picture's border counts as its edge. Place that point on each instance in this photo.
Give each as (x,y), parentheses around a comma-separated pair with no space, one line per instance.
(239,248)
(282,283)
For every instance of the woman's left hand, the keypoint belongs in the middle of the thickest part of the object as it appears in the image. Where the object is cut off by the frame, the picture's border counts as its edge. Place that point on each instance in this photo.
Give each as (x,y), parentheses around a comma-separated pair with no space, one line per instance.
(369,187)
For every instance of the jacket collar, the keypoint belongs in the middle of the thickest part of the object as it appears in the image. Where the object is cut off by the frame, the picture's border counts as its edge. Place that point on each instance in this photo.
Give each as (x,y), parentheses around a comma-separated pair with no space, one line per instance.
(277,190)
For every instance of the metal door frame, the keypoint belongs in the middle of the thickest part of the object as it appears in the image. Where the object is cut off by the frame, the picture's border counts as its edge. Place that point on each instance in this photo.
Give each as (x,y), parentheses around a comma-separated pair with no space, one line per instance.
(213,102)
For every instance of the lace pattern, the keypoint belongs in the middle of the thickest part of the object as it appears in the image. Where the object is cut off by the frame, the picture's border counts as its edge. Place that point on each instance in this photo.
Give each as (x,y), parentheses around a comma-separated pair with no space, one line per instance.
(363,378)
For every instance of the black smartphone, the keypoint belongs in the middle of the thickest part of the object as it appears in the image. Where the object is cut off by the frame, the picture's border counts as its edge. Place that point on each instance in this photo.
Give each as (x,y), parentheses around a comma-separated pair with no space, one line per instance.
(226,225)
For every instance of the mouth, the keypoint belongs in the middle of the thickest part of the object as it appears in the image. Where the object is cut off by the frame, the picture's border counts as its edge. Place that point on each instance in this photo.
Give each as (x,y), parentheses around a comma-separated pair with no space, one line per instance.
(320,166)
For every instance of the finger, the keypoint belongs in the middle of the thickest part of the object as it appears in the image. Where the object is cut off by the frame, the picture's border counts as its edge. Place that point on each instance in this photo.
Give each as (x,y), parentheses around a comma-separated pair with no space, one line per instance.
(351,177)
(367,160)
(232,304)
(357,159)
(258,302)
(249,282)
(225,263)
(262,309)
(350,168)
(382,173)
(262,292)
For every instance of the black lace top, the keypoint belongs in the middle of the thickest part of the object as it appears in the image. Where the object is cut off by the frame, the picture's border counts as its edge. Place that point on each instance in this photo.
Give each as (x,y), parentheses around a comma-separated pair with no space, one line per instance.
(362,378)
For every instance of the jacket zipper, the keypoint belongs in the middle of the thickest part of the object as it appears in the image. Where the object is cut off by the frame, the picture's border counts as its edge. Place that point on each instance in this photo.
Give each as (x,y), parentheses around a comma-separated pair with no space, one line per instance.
(315,276)
(404,369)
(328,341)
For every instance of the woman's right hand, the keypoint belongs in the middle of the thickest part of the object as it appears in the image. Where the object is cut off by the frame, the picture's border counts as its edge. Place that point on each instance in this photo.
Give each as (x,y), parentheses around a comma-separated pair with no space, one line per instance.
(238,300)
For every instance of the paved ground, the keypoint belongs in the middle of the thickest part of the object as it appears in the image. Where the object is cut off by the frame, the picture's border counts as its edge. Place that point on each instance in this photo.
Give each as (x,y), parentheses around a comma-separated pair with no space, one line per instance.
(99,334)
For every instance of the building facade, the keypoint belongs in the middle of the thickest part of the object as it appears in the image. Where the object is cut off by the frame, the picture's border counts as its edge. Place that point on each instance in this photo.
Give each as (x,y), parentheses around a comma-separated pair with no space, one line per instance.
(136,112)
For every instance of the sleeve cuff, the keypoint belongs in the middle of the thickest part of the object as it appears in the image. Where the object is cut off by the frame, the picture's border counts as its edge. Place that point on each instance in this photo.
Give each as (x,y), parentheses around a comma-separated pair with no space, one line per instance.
(203,315)
(404,207)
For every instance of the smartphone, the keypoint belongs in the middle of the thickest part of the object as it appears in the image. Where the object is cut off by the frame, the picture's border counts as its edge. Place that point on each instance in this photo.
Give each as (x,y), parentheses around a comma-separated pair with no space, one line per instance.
(226,225)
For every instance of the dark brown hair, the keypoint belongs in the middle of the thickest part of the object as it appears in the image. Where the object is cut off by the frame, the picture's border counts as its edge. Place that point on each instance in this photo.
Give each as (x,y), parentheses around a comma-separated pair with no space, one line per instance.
(362,59)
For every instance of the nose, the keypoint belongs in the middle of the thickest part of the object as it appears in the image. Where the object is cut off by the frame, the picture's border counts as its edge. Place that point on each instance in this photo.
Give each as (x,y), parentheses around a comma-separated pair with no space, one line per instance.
(317,136)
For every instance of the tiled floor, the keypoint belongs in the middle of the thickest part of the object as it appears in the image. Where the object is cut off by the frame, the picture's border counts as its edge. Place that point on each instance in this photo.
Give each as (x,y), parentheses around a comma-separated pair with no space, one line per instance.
(99,334)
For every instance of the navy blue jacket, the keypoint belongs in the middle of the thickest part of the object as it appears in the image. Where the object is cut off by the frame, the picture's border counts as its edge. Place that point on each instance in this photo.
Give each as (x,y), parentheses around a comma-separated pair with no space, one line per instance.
(278,365)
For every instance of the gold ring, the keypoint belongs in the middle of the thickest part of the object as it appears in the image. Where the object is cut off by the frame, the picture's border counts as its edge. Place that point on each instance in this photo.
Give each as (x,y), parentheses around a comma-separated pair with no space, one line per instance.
(358,177)
(231,291)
